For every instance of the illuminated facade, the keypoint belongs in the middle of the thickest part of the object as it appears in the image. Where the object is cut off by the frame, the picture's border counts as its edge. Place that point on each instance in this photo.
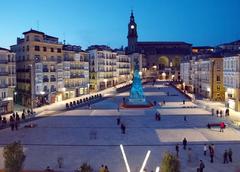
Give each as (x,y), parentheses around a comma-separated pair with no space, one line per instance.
(231,67)
(7,80)
(103,67)
(123,67)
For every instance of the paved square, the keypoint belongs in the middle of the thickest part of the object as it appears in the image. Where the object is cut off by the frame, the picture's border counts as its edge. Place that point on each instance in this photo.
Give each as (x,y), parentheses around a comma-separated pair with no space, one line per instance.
(93,136)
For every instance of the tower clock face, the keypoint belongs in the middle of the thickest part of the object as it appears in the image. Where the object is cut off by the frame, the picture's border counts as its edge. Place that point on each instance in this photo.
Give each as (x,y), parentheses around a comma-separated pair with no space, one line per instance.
(132,27)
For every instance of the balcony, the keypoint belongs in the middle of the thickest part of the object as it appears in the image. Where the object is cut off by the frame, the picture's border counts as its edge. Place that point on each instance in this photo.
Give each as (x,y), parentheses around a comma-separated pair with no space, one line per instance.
(2,73)
(45,80)
(53,79)
(52,70)
(45,70)
(3,61)
(3,86)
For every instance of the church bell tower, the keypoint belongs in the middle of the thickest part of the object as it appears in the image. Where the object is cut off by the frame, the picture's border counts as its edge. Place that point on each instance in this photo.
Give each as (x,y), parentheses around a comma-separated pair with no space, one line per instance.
(132,34)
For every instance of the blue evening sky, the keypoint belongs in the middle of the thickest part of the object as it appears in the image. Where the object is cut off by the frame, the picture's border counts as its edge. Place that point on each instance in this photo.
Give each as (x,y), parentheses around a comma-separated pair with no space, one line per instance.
(86,22)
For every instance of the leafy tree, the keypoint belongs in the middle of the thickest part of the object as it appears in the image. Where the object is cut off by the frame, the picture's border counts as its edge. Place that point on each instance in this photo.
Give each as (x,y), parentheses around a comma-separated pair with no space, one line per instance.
(170,163)
(13,157)
(86,168)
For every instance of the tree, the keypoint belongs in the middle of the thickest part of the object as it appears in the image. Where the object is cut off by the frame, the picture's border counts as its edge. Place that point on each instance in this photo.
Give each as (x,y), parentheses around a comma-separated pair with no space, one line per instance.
(13,157)
(170,163)
(86,168)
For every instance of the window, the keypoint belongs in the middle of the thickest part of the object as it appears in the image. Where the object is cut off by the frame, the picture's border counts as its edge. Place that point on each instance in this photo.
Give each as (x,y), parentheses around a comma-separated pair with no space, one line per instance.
(218,78)
(37,48)
(218,87)
(45,49)
(27,39)
(27,48)
(59,50)
(52,49)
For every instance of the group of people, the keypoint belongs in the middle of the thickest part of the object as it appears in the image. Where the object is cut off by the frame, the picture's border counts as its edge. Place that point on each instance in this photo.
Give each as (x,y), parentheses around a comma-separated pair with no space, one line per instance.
(15,119)
(227,156)
(122,126)
(219,113)
(103,168)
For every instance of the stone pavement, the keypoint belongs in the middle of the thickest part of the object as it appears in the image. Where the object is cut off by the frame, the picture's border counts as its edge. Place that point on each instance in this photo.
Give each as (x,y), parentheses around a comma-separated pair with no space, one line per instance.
(92,135)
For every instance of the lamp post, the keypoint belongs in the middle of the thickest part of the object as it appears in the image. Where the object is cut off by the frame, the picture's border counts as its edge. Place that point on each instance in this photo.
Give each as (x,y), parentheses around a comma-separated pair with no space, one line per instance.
(31,86)
(212,86)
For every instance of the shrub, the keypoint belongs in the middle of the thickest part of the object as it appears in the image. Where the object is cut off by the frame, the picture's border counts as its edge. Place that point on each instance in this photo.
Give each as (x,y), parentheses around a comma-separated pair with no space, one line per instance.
(86,168)
(13,157)
(170,163)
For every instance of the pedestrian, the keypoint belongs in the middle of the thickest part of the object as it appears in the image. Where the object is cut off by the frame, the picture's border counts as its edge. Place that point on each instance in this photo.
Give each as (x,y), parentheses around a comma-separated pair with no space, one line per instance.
(123,128)
(205,149)
(225,157)
(221,113)
(23,116)
(106,169)
(184,143)
(211,154)
(12,122)
(155,103)
(217,112)
(189,155)
(212,112)
(118,121)
(89,106)
(17,121)
(13,115)
(159,116)
(102,168)
(227,112)
(222,126)
(201,166)
(230,155)
(164,102)
(118,109)
(184,102)
(177,149)
(185,118)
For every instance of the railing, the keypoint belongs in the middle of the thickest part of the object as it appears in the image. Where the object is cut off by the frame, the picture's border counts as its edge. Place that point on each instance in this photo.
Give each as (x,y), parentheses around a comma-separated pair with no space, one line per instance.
(3,73)
(3,61)
(45,80)
(53,79)
(45,70)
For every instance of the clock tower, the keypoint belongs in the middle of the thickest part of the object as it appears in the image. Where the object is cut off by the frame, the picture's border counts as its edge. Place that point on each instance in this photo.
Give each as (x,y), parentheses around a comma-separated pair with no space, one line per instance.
(132,34)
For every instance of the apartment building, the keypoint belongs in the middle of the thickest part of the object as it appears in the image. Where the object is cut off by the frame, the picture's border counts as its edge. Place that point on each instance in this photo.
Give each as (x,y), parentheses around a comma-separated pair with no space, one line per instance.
(76,71)
(231,68)
(39,69)
(103,67)
(7,80)
(123,67)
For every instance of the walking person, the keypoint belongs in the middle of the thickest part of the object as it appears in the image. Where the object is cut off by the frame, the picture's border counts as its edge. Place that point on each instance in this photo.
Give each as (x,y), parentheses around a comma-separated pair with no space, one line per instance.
(221,113)
(211,154)
(184,143)
(222,126)
(106,169)
(177,149)
(230,155)
(17,121)
(12,122)
(217,112)
(201,166)
(205,149)
(184,102)
(118,121)
(185,118)
(212,112)
(225,157)
(102,168)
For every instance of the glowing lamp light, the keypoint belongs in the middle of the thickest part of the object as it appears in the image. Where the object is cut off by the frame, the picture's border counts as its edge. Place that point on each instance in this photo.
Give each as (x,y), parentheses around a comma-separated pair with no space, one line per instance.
(140,73)
(15,93)
(105,80)
(125,158)
(154,67)
(157,169)
(42,92)
(208,89)
(163,74)
(145,160)
(63,89)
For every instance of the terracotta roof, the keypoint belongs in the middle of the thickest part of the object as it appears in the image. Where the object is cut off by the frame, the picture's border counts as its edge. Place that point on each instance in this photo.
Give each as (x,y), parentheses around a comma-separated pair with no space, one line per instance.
(33,31)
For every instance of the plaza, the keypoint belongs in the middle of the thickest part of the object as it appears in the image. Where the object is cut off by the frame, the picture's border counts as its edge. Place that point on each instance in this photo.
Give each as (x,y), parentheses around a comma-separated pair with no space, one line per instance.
(93,136)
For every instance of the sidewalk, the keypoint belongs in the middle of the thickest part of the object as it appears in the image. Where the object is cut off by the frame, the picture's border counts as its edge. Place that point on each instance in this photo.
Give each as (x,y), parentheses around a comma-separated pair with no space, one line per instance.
(60,106)
(234,116)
